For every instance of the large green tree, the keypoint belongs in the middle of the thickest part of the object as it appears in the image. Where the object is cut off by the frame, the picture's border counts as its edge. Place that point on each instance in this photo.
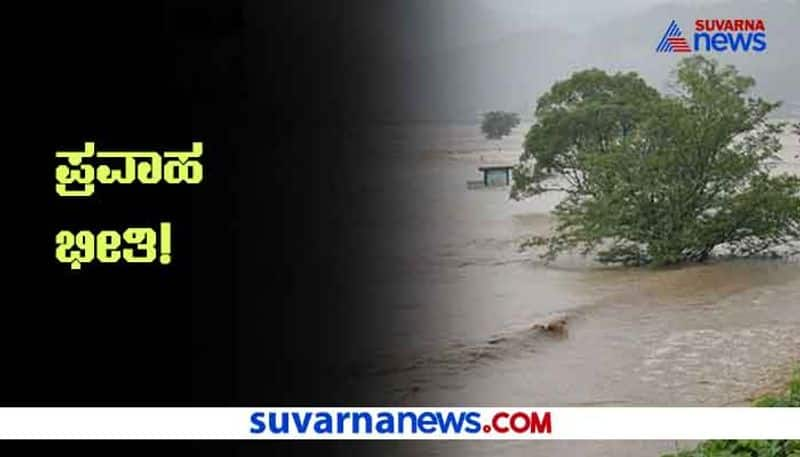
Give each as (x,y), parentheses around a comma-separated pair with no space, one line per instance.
(652,178)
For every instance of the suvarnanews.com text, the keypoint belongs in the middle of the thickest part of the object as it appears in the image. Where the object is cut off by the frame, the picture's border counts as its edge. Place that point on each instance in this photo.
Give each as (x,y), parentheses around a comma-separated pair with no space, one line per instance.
(396,422)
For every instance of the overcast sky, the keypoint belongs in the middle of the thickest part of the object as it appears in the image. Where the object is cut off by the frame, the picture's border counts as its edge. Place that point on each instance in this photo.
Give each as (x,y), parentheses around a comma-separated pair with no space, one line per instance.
(452,59)
(578,15)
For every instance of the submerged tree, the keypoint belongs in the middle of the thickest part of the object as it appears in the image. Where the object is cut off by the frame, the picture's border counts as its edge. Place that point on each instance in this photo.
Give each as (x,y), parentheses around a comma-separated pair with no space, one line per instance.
(650,178)
(497,124)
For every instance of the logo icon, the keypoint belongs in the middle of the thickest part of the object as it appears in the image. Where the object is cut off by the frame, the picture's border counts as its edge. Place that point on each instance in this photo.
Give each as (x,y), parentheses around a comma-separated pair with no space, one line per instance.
(673,40)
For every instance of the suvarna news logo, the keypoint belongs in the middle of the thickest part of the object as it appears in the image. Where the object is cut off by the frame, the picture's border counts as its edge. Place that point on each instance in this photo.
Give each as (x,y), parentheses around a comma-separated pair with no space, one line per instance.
(716,35)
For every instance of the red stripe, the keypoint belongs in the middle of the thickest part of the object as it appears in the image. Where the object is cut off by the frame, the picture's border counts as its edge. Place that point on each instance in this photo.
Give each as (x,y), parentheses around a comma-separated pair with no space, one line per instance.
(678,44)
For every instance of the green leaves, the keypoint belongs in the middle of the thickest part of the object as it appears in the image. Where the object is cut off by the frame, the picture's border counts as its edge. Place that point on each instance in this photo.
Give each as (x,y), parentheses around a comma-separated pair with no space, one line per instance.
(588,113)
(743,448)
(790,399)
(659,179)
(754,448)
(497,124)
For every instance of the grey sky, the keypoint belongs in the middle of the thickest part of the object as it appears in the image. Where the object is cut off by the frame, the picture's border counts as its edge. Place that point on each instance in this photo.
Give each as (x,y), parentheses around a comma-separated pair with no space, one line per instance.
(452,59)
(578,15)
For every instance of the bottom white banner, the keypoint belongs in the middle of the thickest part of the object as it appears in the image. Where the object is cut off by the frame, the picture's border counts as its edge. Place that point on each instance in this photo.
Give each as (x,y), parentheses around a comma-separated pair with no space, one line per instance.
(367,423)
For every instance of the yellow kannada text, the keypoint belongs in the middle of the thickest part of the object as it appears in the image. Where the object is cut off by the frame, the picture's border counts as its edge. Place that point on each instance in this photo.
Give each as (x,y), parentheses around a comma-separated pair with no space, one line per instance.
(78,179)
(134,245)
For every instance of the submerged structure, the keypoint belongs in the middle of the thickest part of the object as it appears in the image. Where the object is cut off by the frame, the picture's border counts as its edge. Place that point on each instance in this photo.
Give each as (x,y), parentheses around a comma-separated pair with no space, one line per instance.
(493,176)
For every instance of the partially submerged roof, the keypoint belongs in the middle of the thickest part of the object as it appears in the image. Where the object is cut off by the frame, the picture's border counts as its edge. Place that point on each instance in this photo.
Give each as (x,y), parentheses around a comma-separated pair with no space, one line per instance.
(496,167)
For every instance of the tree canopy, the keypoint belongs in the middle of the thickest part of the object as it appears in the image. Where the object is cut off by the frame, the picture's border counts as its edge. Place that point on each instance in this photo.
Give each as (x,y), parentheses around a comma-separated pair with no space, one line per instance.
(654,178)
(497,124)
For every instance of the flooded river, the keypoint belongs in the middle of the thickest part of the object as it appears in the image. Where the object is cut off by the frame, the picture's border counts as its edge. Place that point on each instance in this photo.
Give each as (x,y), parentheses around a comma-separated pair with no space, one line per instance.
(457,305)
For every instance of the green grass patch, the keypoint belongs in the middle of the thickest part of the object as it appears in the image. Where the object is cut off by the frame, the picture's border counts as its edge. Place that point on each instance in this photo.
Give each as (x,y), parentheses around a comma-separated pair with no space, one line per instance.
(790,399)
(755,448)
(742,448)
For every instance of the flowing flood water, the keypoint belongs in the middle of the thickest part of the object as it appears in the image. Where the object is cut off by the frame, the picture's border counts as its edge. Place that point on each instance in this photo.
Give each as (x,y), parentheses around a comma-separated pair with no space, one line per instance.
(464,322)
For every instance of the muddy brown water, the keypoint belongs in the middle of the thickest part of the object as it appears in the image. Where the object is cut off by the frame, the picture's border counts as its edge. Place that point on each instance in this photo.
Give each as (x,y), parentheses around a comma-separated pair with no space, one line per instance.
(460,324)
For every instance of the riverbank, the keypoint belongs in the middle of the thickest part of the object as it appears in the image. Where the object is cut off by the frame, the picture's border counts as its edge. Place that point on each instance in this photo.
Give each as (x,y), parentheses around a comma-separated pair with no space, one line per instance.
(788,397)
